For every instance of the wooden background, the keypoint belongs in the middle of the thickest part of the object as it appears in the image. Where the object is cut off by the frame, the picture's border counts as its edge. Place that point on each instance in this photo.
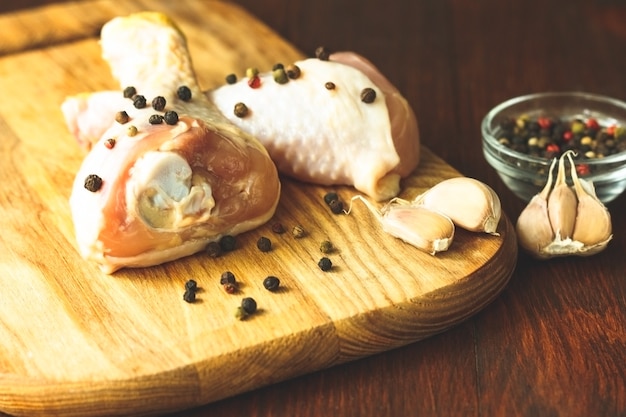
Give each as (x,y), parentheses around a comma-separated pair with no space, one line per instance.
(554,343)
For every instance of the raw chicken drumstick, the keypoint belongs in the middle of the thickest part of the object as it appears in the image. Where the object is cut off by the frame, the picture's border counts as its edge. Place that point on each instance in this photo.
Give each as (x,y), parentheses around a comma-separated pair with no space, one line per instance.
(172,178)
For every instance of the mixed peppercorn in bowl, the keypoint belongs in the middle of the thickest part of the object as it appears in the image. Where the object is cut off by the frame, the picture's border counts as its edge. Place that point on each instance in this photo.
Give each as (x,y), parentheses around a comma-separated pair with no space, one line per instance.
(522,136)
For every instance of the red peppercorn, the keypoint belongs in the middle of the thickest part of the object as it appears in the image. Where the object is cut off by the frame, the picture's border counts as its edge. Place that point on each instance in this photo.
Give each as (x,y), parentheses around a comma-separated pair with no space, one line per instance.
(592,123)
(567,135)
(553,147)
(254,82)
(582,169)
(544,122)
(109,143)
(610,130)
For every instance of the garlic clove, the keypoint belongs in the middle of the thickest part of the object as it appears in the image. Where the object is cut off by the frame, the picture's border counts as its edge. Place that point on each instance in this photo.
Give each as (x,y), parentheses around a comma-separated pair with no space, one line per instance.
(469,203)
(533,228)
(427,230)
(562,205)
(423,228)
(593,226)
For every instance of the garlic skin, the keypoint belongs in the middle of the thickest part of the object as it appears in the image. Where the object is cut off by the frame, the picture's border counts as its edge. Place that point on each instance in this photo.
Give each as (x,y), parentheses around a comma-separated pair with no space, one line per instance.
(555,224)
(469,203)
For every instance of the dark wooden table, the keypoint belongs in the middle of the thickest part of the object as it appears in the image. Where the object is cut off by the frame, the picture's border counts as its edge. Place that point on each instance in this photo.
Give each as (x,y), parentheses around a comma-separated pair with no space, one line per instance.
(554,342)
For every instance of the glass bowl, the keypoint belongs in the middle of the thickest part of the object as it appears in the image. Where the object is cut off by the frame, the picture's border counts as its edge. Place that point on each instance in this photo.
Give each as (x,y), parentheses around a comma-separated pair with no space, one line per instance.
(527,174)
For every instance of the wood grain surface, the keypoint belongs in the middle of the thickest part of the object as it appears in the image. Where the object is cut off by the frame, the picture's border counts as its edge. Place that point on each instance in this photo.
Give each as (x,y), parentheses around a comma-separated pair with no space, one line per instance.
(77,342)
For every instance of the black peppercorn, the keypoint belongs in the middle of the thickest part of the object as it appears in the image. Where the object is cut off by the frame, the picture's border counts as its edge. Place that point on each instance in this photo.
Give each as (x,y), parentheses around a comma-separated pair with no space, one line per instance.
(189,296)
(155,119)
(191,285)
(139,101)
(271,283)
(293,71)
(170,117)
(330,85)
(158,103)
(241,110)
(330,196)
(231,79)
(227,277)
(129,92)
(249,305)
(264,244)
(325,264)
(213,249)
(227,243)
(184,93)
(336,206)
(368,95)
(322,53)
(93,183)
(121,117)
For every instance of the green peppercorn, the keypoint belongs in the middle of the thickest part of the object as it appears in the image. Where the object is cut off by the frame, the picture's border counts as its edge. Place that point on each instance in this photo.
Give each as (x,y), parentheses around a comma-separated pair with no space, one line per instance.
(183,93)
(240,313)
(189,296)
(129,92)
(368,95)
(155,119)
(191,285)
(93,183)
(170,117)
(252,72)
(264,244)
(271,283)
(326,246)
(213,249)
(139,101)
(228,243)
(158,103)
(277,66)
(280,76)
(227,277)
(293,71)
(231,79)
(249,305)
(241,110)
(322,53)
(122,117)
(325,264)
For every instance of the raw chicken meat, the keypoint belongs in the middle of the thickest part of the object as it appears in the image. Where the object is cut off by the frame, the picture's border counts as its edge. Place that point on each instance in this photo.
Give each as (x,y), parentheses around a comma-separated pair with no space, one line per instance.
(317,127)
(167,189)
(315,134)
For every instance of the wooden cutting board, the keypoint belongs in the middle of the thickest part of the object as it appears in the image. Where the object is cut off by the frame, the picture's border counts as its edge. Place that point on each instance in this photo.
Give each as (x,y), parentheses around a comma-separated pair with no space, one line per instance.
(76,342)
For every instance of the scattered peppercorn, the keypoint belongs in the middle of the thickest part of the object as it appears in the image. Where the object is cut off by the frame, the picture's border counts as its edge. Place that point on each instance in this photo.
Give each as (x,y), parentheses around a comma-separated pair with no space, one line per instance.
(322,53)
(241,110)
(122,117)
(330,196)
(240,313)
(271,283)
(228,243)
(277,66)
(139,101)
(189,296)
(264,244)
(170,117)
(254,82)
(336,206)
(278,228)
(184,93)
(155,119)
(227,277)
(298,231)
(326,246)
(129,92)
(109,143)
(132,130)
(280,76)
(252,72)
(368,95)
(293,71)
(231,78)
(158,103)
(191,285)
(249,305)
(93,183)
(230,288)
(325,264)
(330,85)
(213,249)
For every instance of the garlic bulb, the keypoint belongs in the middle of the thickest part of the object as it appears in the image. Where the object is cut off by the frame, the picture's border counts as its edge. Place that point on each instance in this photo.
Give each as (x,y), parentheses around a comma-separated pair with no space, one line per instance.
(562,220)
